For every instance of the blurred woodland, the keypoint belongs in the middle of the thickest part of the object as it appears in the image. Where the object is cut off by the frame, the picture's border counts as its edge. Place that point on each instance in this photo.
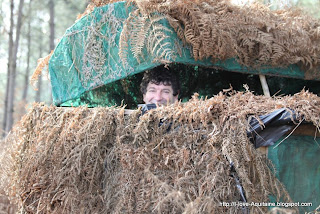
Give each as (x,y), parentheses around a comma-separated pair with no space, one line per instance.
(30,29)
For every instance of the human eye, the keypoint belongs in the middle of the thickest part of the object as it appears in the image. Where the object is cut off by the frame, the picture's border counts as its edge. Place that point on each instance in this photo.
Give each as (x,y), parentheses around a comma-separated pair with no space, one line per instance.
(166,91)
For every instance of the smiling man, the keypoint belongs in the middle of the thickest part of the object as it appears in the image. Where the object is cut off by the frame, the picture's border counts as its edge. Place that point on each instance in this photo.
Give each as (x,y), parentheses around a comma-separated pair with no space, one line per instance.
(160,86)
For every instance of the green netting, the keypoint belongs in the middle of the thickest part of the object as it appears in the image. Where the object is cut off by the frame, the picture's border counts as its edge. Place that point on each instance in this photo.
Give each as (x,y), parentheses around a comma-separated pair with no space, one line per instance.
(297,163)
(87,56)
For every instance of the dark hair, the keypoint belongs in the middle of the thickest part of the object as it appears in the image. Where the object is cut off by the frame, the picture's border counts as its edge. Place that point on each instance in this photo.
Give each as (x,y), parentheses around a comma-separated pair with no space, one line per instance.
(160,75)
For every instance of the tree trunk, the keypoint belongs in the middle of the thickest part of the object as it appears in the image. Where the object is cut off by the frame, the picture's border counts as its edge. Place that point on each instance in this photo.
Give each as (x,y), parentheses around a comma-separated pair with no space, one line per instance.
(86,4)
(38,93)
(39,84)
(12,69)
(9,66)
(26,79)
(52,33)
(51,23)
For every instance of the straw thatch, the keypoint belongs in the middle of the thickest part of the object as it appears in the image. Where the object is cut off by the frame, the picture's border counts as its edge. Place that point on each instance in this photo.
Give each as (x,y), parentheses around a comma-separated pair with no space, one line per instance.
(5,206)
(99,160)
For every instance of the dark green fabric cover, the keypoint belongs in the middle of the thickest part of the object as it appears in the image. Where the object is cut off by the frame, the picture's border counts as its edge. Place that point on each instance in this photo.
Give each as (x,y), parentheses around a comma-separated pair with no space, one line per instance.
(74,72)
(297,161)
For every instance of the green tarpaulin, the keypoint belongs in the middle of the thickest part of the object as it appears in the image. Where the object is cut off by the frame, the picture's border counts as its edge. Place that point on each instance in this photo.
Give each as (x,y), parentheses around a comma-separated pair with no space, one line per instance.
(297,163)
(87,56)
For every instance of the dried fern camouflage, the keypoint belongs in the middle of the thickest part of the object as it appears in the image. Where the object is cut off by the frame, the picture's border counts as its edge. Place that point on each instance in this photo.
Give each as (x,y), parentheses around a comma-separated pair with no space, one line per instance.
(99,160)
(117,40)
(252,34)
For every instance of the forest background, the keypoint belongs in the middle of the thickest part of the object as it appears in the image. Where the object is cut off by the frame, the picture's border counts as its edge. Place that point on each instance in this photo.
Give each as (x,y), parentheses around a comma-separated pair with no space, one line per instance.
(30,29)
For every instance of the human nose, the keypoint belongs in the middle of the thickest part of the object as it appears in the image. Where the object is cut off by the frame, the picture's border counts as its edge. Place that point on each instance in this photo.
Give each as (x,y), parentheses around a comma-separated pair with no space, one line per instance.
(158,96)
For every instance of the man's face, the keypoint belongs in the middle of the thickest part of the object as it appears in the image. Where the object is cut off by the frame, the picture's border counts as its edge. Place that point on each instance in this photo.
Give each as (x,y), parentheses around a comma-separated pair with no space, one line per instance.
(159,94)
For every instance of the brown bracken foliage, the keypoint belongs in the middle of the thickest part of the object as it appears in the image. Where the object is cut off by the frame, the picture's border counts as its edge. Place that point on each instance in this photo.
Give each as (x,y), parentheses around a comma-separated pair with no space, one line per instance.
(99,160)
(93,4)
(217,29)
(42,63)
(253,34)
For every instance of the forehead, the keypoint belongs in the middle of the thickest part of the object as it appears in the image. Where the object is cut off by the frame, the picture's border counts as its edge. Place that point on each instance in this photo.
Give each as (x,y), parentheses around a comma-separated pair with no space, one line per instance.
(159,86)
